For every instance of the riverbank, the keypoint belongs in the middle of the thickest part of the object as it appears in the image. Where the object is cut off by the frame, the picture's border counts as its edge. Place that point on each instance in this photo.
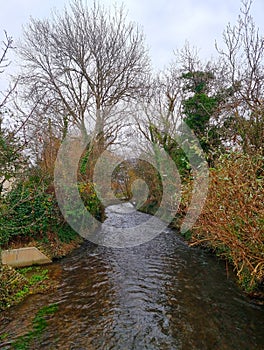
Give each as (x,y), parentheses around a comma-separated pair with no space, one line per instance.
(231,222)
(17,284)
(30,217)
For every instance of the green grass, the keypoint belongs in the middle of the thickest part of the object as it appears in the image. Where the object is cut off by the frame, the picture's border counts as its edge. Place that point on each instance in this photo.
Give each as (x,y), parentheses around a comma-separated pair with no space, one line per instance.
(36,277)
(25,270)
(4,336)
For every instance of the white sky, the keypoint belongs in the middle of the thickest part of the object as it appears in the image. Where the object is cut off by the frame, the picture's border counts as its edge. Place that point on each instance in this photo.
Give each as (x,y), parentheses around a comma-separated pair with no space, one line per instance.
(166,24)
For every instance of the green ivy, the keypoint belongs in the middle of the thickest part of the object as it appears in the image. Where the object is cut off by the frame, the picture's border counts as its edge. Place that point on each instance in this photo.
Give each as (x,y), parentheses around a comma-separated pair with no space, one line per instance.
(28,210)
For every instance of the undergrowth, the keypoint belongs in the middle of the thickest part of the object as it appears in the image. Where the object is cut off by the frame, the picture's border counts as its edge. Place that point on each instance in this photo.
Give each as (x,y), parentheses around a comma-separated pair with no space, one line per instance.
(232,222)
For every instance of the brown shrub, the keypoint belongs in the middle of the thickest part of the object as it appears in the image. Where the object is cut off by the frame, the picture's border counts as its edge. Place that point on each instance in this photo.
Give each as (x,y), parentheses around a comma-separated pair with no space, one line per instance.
(232,221)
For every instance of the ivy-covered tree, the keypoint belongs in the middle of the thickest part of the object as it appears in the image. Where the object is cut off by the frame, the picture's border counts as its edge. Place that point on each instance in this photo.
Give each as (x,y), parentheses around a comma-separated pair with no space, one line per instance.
(199,106)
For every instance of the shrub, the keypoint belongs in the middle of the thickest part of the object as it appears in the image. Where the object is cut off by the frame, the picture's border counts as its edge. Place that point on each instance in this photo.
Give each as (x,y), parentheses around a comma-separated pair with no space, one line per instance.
(28,210)
(232,219)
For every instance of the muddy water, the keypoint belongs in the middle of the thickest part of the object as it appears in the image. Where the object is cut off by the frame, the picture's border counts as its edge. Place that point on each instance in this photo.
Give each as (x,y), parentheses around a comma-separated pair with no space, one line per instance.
(159,295)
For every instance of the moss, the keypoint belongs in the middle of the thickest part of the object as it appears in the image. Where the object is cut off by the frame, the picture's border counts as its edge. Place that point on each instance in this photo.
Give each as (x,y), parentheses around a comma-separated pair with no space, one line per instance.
(39,324)
(15,285)
(11,282)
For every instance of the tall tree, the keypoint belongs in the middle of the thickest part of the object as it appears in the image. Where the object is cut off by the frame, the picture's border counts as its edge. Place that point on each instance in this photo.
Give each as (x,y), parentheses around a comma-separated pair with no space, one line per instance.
(86,64)
(200,106)
(243,55)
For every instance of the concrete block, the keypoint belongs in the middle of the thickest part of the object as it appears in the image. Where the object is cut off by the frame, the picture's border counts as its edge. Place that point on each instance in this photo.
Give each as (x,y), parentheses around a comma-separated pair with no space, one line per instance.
(24,257)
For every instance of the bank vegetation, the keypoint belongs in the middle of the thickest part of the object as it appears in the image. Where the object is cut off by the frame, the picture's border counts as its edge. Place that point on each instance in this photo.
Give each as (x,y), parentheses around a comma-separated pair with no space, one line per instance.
(86,73)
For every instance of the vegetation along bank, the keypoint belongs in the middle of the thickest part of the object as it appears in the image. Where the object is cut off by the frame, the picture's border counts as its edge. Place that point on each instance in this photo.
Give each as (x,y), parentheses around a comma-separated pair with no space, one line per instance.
(86,72)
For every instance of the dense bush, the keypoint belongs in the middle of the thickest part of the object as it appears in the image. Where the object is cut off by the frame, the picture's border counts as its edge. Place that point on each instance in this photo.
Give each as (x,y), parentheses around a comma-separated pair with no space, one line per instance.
(232,221)
(30,210)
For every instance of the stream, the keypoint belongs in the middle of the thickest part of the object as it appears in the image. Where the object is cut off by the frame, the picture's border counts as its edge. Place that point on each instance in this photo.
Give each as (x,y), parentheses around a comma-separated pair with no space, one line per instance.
(160,295)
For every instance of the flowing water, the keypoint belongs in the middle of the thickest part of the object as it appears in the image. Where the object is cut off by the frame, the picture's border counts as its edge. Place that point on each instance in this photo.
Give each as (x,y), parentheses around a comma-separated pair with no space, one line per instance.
(156,296)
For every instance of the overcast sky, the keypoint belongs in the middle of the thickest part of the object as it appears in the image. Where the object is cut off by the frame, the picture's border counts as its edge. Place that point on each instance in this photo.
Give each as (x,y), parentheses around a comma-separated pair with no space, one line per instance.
(166,24)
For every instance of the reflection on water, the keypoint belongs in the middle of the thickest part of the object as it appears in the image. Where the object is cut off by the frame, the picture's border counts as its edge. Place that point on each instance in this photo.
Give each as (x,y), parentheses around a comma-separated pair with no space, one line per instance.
(159,295)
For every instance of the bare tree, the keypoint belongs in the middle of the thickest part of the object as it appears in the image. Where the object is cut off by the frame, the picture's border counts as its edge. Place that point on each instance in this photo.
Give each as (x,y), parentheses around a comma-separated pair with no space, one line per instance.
(163,110)
(159,114)
(85,64)
(7,45)
(243,56)
(11,146)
